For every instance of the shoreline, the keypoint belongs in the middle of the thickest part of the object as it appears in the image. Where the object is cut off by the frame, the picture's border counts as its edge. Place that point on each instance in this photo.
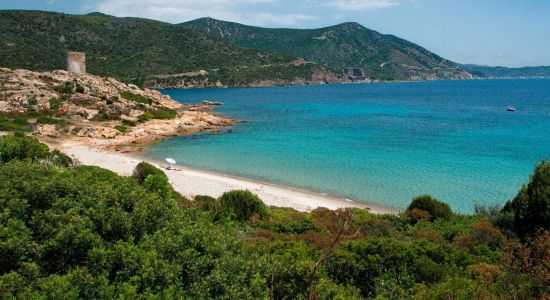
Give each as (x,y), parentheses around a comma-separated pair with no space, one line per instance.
(191,181)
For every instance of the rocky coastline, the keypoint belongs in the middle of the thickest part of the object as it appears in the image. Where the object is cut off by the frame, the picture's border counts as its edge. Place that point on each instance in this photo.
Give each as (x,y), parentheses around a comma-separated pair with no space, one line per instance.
(98,111)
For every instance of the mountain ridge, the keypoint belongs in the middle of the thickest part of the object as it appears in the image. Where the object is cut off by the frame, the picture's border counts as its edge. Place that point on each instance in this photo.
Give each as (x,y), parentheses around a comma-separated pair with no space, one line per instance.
(154,54)
(345,45)
(483,71)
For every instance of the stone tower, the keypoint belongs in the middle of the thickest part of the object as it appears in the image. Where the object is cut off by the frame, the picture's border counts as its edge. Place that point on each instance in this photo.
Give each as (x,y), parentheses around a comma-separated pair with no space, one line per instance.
(76,62)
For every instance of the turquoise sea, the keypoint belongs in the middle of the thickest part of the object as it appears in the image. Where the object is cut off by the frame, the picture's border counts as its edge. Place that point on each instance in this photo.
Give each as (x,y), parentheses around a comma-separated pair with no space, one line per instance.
(381,143)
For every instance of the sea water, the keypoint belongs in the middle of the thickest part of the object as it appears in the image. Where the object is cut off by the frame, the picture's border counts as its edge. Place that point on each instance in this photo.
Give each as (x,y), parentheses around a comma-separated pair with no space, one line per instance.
(381,143)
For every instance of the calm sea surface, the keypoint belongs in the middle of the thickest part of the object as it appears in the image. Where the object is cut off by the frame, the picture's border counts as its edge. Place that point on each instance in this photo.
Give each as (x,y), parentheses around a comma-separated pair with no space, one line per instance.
(382,143)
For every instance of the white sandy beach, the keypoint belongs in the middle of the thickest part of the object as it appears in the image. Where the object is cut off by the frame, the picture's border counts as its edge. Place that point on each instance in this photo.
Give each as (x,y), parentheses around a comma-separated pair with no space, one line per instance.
(190,181)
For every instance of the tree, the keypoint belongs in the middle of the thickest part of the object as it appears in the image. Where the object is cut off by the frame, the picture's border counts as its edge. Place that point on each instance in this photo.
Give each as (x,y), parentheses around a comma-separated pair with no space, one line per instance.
(531,206)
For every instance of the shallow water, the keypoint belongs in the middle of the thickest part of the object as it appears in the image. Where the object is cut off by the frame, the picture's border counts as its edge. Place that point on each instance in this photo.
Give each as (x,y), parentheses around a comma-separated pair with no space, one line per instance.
(382,143)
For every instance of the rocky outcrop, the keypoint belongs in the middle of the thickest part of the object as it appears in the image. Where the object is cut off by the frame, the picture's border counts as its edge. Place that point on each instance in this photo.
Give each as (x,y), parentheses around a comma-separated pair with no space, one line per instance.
(104,111)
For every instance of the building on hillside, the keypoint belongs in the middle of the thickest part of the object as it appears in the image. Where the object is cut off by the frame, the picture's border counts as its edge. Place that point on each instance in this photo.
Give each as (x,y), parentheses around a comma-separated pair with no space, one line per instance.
(355,74)
(76,62)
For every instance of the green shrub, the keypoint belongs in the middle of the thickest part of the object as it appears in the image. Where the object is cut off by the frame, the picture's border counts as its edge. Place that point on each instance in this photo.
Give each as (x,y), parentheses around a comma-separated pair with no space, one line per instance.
(145,169)
(121,128)
(22,147)
(104,115)
(128,122)
(436,208)
(241,205)
(205,203)
(32,101)
(531,206)
(158,183)
(16,125)
(136,97)
(60,159)
(164,114)
(79,88)
(146,116)
(50,120)
(67,87)
(54,103)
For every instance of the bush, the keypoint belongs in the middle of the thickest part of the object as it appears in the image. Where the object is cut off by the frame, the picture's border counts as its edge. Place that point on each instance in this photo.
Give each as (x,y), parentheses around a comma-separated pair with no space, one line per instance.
(104,115)
(54,103)
(17,125)
(436,208)
(32,101)
(205,203)
(145,169)
(416,215)
(531,206)
(241,205)
(158,183)
(50,120)
(79,88)
(22,147)
(121,128)
(484,270)
(128,122)
(146,116)
(164,114)
(60,159)
(136,97)
(67,87)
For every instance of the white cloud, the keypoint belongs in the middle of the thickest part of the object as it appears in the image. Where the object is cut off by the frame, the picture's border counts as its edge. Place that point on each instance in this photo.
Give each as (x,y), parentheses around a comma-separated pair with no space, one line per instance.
(176,11)
(361,4)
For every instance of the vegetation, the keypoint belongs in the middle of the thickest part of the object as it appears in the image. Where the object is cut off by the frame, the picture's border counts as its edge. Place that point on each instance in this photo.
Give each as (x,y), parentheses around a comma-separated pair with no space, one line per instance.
(127,122)
(20,147)
(531,207)
(129,49)
(136,97)
(348,45)
(50,120)
(241,205)
(18,124)
(504,72)
(163,113)
(121,128)
(85,232)
(435,208)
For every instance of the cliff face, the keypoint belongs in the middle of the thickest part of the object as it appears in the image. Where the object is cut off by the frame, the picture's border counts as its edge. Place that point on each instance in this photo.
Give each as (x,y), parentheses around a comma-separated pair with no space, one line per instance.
(108,111)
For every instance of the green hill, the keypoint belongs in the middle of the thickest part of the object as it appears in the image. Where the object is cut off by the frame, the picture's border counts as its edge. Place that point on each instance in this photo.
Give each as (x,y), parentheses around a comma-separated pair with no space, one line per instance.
(504,72)
(132,49)
(348,45)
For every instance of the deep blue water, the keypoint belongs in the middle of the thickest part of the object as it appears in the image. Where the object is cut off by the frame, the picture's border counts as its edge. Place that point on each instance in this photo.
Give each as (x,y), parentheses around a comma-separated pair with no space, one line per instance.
(382,143)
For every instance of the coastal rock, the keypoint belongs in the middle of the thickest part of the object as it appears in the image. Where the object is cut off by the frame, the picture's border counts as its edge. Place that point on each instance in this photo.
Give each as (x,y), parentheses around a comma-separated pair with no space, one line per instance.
(47,130)
(92,106)
(96,132)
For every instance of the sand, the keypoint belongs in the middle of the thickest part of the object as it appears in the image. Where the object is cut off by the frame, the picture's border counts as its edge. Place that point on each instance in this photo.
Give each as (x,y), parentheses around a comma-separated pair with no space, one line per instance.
(191,181)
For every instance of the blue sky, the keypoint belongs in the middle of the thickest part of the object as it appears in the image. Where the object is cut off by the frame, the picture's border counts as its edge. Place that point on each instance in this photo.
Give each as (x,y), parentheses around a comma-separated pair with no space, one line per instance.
(500,32)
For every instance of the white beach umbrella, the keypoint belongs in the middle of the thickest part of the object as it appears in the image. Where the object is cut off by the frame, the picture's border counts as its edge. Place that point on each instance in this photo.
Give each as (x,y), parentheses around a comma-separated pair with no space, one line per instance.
(170,161)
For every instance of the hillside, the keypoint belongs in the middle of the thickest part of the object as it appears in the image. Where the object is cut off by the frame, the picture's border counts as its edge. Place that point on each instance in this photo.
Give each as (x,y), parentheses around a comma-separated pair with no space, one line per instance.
(504,72)
(133,49)
(348,45)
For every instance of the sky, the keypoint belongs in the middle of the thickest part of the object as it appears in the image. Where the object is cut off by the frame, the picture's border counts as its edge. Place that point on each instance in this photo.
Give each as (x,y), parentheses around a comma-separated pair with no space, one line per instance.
(510,33)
